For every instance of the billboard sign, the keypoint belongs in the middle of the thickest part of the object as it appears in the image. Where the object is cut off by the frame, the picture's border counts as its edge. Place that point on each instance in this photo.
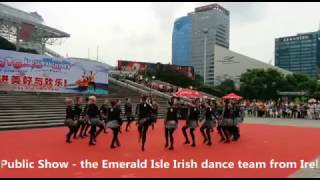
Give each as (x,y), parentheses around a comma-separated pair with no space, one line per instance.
(142,67)
(39,73)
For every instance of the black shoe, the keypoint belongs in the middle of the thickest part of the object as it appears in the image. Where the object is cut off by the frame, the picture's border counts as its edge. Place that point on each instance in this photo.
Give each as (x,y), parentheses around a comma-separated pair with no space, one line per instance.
(171,148)
(205,140)
(227,141)
(75,137)
(187,142)
(142,148)
(209,143)
(112,146)
(165,146)
(193,145)
(92,143)
(68,141)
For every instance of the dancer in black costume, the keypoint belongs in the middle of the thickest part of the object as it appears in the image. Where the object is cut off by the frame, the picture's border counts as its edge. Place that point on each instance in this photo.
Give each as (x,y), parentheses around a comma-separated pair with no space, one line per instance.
(144,120)
(128,112)
(114,122)
(227,121)
(85,127)
(104,113)
(237,119)
(69,121)
(77,108)
(154,113)
(191,123)
(171,123)
(209,122)
(94,118)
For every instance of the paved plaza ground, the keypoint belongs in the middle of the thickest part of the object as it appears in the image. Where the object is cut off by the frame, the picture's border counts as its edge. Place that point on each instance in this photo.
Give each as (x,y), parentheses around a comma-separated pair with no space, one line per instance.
(283,140)
(306,173)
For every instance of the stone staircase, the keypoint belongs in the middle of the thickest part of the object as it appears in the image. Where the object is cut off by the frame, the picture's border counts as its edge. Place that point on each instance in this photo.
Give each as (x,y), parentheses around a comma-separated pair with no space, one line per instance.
(22,110)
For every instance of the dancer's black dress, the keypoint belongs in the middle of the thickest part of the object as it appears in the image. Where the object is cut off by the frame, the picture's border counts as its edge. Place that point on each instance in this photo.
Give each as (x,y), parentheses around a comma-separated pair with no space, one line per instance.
(128,113)
(70,122)
(171,123)
(154,114)
(77,116)
(114,121)
(208,125)
(104,114)
(85,127)
(144,121)
(237,119)
(94,118)
(227,123)
(192,123)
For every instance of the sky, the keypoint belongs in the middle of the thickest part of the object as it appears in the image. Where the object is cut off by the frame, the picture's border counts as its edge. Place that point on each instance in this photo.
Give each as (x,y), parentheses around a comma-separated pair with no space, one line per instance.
(142,31)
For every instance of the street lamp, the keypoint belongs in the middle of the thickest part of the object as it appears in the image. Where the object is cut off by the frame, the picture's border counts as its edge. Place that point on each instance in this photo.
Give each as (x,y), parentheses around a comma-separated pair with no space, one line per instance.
(205,32)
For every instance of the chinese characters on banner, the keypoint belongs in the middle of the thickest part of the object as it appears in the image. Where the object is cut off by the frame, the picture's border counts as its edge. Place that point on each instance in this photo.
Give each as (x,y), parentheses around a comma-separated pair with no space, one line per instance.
(39,73)
(34,83)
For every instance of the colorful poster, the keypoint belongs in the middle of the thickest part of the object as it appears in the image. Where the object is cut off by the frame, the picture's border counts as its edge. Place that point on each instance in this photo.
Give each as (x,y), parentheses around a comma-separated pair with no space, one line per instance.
(39,73)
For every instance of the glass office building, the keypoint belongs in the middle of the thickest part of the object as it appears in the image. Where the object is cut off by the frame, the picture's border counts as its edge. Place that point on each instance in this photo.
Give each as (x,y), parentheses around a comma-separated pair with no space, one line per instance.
(195,35)
(300,53)
(182,41)
(210,27)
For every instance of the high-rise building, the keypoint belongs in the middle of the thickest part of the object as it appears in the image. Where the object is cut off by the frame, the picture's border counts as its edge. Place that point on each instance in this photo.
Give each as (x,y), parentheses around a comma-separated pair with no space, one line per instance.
(210,26)
(300,53)
(182,41)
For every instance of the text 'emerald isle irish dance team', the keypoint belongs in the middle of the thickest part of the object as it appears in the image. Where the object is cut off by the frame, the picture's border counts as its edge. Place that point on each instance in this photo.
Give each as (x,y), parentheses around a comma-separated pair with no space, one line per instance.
(81,118)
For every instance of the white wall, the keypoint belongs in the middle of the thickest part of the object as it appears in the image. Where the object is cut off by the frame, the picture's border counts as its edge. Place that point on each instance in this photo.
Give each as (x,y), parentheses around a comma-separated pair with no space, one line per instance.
(230,65)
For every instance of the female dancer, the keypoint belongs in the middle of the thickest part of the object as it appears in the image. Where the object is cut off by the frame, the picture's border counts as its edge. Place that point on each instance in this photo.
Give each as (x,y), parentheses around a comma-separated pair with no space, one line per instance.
(192,123)
(237,118)
(114,122)
(144,120)
(77,115)
(171,123)
(93,115)
(69,121)
(154,112)
(227,121)
(86,125)
(104,113)
(209,122)
(128,112)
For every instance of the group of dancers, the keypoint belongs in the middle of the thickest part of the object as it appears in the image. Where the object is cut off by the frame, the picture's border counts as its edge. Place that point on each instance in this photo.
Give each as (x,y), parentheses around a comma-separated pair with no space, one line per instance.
(82,117)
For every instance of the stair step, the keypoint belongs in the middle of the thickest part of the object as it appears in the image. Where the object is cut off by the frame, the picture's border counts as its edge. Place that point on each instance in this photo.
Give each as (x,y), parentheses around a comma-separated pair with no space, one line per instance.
(29,122)
(29,126)
(24,116)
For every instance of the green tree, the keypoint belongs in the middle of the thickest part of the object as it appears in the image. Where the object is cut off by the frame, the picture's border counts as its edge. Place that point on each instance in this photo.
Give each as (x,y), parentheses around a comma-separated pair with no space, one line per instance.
(261,83)
(227,86)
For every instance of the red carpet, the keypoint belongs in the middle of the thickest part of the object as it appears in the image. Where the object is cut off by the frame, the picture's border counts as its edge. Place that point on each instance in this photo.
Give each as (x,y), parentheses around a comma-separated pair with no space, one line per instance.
(257,143)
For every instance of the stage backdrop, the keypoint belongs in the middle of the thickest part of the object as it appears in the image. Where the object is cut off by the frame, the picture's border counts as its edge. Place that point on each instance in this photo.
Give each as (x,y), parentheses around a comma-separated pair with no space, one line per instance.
(39,73)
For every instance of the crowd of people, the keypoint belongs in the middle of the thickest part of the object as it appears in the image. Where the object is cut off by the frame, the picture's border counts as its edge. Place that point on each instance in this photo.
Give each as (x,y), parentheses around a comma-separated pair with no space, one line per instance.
(154,84)
(282,109)
(207,114)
